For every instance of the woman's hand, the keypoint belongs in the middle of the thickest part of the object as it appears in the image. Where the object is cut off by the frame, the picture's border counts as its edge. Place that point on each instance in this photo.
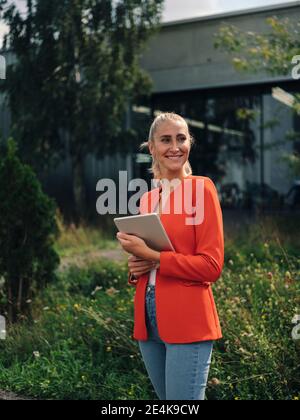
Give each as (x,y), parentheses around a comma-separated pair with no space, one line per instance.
(133,245)
(138,266)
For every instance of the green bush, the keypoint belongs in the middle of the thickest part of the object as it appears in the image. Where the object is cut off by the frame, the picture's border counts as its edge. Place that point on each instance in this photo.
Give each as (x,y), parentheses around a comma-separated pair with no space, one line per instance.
(27,233)
(85,280)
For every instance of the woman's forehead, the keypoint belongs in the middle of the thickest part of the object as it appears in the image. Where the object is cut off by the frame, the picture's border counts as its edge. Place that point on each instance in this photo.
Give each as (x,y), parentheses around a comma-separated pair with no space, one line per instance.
(169,127)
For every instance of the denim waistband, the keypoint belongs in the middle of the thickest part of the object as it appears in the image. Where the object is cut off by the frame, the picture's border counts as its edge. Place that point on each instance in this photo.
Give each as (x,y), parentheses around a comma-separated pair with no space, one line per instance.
(150,288)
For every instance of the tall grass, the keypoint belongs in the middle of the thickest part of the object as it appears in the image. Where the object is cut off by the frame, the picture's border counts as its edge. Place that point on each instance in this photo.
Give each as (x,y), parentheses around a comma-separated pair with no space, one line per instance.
(80,345)
(75,240)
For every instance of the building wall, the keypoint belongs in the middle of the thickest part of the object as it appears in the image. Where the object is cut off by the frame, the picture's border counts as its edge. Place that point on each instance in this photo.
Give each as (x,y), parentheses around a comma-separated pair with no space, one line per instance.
(277,172)
(182,56)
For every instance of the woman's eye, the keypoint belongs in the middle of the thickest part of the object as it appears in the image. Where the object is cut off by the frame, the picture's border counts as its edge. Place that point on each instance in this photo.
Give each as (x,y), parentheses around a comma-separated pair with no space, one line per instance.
(181,139)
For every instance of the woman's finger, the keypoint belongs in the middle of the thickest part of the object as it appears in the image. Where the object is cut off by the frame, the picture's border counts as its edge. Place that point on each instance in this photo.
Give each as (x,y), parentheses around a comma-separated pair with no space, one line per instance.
(138,273)
(141,269)
(142,265)
(134,258)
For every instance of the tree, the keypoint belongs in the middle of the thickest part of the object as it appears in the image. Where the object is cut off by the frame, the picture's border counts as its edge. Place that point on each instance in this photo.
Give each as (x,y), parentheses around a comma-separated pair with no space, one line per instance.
(75,72)
(28,229)
(273,52)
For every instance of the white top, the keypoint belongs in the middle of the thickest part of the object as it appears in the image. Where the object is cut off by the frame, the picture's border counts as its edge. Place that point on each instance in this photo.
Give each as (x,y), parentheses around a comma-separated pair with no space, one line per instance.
(152,275)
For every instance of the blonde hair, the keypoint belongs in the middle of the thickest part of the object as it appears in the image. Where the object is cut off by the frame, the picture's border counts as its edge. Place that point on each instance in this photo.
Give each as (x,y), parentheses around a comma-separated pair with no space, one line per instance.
(162,117)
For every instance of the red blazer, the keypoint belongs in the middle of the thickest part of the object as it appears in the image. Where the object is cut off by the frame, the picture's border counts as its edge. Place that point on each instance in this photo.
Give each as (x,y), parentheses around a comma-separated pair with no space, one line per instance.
(185,306)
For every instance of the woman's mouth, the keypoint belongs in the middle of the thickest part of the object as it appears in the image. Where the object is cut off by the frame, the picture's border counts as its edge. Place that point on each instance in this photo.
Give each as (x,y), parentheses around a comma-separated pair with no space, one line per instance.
(177,157)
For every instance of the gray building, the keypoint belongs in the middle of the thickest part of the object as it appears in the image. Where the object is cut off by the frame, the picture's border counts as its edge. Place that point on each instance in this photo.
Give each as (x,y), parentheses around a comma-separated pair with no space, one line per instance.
(193,78)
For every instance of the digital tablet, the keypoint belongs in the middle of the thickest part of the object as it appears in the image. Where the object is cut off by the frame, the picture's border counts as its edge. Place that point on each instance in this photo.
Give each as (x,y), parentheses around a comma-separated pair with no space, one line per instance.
(147,227)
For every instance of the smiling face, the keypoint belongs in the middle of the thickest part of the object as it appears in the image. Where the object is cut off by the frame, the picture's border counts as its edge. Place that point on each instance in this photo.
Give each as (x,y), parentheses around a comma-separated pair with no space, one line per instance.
(171,148)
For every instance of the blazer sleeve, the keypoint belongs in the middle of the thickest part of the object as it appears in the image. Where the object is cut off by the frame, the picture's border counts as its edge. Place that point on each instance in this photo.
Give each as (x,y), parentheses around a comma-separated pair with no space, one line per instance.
(207,263)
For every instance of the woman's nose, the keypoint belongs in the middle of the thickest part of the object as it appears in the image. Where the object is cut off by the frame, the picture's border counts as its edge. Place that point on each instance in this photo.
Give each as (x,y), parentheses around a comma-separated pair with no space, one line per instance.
(174,148)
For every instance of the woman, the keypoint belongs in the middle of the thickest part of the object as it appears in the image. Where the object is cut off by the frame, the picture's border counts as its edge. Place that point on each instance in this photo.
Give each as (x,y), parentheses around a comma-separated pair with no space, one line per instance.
(175,317)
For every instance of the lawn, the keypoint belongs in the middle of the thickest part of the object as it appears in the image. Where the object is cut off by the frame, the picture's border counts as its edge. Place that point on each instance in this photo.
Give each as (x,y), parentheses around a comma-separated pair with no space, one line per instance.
(79,345)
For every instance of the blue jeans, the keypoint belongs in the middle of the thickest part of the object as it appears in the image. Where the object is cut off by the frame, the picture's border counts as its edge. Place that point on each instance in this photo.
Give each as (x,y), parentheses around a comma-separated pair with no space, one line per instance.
(177,371)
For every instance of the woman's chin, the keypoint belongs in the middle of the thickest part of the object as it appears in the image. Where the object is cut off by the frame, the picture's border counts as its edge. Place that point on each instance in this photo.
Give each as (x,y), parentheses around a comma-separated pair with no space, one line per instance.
(174,167)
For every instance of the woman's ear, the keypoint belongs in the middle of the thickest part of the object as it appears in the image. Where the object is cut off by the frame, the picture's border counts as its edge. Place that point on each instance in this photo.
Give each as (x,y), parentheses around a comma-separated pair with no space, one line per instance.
(150,146)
